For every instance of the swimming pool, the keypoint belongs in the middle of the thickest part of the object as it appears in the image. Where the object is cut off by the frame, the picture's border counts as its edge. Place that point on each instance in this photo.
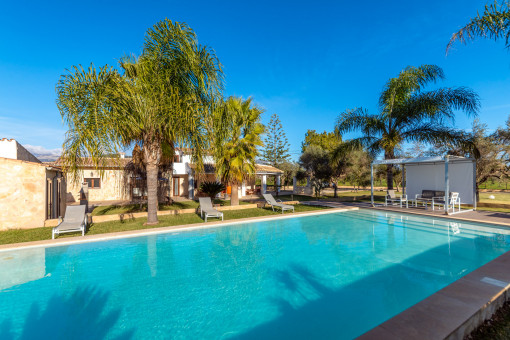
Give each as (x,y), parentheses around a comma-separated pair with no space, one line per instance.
(333,275)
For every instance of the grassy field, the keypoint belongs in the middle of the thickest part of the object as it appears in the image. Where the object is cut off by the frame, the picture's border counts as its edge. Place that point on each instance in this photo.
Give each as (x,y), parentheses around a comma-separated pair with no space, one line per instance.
(330,195)
(499,197)
(497,328)
(15,236)
(488,185)
(132,208)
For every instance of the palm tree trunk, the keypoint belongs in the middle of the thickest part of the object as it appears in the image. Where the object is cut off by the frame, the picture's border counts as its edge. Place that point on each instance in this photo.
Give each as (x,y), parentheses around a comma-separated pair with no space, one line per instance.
(389,169)
(234,197)
(152,155)
(152,194)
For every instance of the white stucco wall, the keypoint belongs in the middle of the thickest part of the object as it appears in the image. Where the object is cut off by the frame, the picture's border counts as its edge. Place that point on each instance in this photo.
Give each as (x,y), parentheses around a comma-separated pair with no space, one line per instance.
(8,148)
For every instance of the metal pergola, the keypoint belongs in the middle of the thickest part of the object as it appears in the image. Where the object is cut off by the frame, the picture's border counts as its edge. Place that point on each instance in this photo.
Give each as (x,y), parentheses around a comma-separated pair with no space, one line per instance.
(447,160)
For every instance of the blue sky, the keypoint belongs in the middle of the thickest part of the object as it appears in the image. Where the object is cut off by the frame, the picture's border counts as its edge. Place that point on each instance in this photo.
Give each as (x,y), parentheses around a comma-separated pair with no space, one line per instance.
(306,61)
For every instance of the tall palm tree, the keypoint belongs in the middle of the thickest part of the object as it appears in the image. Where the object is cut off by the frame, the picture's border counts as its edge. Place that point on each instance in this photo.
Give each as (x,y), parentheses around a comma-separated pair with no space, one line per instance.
(237,134)
(159,100)
(493,23)
(408,114)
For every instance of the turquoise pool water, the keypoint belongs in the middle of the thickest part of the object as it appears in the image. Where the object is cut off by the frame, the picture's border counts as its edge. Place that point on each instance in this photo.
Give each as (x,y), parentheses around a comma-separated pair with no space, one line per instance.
(333,275)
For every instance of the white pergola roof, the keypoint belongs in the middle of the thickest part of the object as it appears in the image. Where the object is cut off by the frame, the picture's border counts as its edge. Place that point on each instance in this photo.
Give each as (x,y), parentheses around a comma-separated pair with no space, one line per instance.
(422,160)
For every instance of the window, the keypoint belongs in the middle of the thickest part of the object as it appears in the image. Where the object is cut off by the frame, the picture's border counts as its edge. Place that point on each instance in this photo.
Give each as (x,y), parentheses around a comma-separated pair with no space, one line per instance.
(94,183)
(177,158)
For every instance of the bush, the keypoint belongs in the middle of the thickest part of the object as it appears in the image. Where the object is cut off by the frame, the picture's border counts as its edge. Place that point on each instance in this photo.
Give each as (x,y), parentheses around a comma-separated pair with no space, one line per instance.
(212,189)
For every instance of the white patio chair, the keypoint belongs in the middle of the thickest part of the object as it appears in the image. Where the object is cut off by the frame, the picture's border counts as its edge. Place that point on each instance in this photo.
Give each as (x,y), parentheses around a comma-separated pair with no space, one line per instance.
(391,198)
(453,200)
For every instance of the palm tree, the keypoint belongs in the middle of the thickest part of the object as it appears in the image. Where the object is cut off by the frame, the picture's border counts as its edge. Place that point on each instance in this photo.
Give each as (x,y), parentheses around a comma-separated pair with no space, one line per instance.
(160,100)
(493,23)
(237,134)
(408,114)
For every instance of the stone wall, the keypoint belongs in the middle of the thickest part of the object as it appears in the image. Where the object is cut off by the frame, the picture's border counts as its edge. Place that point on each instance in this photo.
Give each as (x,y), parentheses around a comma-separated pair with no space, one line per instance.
(22,194)
(113,187)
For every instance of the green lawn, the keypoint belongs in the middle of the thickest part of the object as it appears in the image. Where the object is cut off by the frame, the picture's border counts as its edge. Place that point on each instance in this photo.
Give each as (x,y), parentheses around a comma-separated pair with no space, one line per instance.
(16,236)
(330,195)
(133,208)
(498,328)
(499,197)
(494,209)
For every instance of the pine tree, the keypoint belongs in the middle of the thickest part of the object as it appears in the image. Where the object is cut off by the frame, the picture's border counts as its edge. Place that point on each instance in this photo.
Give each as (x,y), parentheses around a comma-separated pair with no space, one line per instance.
(276,144)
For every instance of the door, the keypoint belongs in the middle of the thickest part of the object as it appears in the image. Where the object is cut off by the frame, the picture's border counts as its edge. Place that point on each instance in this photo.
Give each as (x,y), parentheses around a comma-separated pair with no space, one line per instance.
(176,191)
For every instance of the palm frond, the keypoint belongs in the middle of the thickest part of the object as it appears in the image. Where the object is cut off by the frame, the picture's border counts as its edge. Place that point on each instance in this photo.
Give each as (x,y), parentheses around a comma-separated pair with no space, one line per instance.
(437,105)
(410,80)
(493,23)
(358,120)
(371,144)
(84,101)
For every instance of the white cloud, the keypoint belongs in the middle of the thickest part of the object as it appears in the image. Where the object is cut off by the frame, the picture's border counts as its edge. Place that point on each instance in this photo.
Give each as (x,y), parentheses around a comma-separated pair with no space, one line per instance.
(43,153)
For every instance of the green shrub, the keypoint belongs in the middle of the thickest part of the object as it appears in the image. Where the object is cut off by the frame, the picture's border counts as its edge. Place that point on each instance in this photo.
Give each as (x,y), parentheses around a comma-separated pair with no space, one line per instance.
(211,189)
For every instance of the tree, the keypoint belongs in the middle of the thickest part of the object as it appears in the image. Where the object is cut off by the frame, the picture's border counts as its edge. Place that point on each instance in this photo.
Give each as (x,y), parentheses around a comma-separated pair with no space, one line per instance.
(358,168)
(492,153)
(236,134)
(211,189)
(290,169)
(418,149)
(328,141)
(493,23)
(408,114)
(276,144)
(160,100)
(316,161)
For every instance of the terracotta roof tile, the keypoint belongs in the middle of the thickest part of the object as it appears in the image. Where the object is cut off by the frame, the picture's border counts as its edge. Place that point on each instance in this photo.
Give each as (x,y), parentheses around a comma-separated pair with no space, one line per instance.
(109,162)
(267,168)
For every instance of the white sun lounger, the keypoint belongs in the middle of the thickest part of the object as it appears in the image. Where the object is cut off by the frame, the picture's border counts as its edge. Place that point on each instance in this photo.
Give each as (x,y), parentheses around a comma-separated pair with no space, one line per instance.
(75,219)
(274,203)
(206,208)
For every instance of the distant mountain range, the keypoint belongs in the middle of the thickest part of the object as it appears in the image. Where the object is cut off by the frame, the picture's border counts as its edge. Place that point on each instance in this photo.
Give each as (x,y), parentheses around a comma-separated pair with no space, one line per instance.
(43,154)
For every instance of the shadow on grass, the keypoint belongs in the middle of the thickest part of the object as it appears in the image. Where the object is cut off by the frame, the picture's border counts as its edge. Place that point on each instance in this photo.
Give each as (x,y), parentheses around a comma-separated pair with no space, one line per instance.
(118,209)
(81,315)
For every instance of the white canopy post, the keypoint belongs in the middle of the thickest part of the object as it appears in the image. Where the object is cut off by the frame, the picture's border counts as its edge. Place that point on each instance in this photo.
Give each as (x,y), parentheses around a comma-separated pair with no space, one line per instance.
(474,185)
(446,184)
(372,183)
(404,180)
